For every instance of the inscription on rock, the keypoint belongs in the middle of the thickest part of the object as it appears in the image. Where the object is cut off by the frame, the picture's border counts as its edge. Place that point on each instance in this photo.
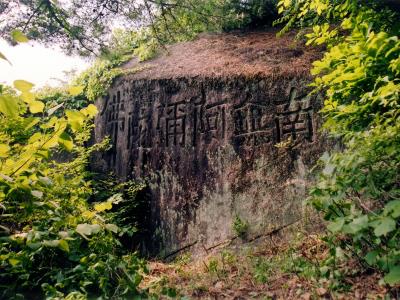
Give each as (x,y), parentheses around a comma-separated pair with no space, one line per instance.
(190,139)
(187,123)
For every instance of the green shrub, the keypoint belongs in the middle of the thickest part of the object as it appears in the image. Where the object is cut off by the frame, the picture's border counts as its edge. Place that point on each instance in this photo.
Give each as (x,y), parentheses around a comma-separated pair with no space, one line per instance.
(358,189)
(52,242)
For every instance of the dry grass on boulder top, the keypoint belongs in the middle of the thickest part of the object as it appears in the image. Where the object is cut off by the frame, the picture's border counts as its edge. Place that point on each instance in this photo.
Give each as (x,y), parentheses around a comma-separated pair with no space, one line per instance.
(269,270)
(259,53)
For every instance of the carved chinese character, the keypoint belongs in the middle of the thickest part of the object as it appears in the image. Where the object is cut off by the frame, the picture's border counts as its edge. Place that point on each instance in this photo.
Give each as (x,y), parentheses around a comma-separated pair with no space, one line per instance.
(209,122)
(139,126)
(294,119)
(252,124)
(114,110)
(133,131)
(175,124)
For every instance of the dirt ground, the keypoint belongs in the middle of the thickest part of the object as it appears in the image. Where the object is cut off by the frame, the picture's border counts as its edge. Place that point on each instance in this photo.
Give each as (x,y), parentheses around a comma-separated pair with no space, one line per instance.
(267,270)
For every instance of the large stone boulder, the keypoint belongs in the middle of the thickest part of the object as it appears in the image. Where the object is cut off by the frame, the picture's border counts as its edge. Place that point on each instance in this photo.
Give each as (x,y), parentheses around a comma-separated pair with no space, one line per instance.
(219,128)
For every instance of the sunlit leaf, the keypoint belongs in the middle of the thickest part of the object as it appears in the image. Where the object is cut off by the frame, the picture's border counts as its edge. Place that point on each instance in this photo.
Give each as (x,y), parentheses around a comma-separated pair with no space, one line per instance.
(2,56)
(53,141)
(90,110)
(103,206)
(43,153)
(66,141)
(4,148)
(36,106)
(88,214)
(75,119)
(37,136)
(63,245)
(23,85)
(75,90)
(29,122)
(8,105)
(18,36)
(14,261)
(27,97)
(23,163)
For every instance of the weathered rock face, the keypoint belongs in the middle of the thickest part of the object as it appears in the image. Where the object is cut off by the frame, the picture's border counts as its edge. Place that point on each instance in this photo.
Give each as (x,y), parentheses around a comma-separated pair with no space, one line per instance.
(212,148)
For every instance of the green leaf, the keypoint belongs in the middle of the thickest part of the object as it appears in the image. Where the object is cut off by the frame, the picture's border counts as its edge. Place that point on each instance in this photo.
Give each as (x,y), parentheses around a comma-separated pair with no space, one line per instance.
(356,225)
(18,36)
(393,277)
(384,226)
(336,225)
(36,106)
(14,261)
(34,246)
(63,245)
(370,258)
(66,141)
(8,106)
(29,122)
(23,85)
(75,90)
(2,56)
(393,208)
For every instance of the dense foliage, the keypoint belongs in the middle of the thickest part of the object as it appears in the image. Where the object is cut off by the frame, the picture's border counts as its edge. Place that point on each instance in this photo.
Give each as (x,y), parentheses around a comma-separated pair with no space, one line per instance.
(85,27)
(359,188)
(54,243)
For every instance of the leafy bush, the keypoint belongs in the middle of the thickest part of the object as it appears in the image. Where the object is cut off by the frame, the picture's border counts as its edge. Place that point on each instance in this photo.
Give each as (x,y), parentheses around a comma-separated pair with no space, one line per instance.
(53,243)
(98,78)
(249,14)
(129,209)
(60,99)
(240,227)
(358,189)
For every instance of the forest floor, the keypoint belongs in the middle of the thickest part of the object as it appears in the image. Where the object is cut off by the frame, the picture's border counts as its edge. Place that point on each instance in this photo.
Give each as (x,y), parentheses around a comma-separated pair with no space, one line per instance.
(271,269)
